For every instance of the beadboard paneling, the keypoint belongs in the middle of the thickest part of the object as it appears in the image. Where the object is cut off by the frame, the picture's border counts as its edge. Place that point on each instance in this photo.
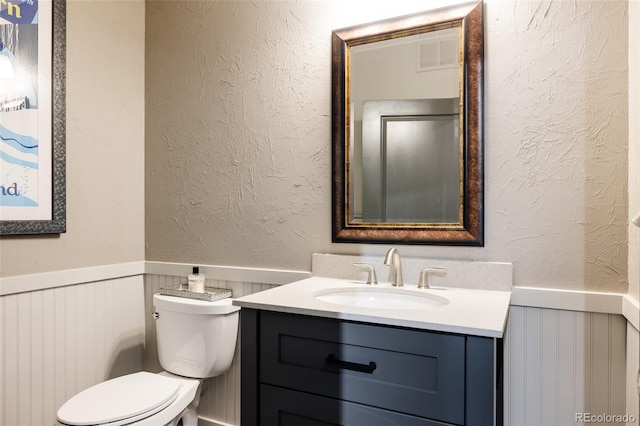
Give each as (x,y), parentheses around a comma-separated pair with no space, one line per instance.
(220,399)
(633,373)
(59,341)
(55,342)
(559,363)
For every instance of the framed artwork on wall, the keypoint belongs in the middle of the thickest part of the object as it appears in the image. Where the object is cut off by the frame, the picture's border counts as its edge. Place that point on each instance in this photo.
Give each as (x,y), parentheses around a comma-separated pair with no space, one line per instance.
(32,117)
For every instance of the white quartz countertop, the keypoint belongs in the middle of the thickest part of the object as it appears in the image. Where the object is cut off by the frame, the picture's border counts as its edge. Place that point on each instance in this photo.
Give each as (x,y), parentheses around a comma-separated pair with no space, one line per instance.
(473,312)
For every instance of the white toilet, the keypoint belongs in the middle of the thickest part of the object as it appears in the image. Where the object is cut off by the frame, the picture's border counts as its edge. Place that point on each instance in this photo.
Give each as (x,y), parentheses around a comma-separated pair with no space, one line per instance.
(196,340)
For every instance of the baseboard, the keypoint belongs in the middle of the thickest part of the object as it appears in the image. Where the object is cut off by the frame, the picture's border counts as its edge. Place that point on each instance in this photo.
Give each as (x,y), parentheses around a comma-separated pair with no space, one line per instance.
(203,421)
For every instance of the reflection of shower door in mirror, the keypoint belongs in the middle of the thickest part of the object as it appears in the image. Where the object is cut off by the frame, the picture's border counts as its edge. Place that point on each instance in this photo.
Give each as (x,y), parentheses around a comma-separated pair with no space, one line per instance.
(411,161)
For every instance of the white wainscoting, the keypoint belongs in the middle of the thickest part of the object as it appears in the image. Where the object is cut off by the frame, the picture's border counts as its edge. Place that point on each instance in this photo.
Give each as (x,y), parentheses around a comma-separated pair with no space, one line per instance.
(559,363)
(633,374)
(92,325)
(56,342)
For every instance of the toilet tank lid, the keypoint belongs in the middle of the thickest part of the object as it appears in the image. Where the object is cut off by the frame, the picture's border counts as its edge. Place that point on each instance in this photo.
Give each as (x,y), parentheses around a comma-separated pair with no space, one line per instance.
(123,398)
(193,306)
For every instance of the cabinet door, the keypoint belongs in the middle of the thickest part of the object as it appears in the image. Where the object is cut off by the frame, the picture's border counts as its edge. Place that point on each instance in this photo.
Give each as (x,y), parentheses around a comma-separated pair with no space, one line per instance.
(283,407)
(408,371)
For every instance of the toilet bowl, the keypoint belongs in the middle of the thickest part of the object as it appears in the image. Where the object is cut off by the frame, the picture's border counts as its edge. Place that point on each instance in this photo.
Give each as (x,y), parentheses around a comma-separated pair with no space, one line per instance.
(140,398)
(196,340)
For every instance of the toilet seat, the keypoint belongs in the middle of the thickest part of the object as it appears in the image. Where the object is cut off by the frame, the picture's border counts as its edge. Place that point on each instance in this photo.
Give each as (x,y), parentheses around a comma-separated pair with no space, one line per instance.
(121,401)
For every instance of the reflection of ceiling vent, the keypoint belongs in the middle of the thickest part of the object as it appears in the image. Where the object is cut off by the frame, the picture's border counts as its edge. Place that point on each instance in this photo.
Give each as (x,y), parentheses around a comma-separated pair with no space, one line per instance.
(437,54)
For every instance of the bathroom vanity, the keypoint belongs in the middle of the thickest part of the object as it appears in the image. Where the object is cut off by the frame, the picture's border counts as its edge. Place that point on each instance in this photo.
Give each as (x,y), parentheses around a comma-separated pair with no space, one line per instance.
(306,361)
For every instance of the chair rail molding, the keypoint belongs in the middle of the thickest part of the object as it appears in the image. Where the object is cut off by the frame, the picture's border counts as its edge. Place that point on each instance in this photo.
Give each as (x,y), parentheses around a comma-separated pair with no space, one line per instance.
(535,297)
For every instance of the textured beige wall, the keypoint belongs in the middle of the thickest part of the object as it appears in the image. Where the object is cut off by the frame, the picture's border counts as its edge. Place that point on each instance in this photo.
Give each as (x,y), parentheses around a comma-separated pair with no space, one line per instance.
(238,136)
(105,145)
(557,125)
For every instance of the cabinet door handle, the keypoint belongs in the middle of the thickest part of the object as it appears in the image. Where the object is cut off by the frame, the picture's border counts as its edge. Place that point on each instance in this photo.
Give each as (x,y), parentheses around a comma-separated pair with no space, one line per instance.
(347,365)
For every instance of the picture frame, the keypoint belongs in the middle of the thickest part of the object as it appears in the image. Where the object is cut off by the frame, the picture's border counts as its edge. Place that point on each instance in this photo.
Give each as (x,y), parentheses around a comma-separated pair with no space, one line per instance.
(33,128)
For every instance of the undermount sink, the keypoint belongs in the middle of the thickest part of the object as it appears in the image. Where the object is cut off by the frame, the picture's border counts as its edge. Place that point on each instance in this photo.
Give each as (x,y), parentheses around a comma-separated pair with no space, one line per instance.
(380,298)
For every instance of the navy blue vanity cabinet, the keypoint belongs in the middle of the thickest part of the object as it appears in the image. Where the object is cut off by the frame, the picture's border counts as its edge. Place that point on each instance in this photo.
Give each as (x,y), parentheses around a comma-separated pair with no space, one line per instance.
(303,370)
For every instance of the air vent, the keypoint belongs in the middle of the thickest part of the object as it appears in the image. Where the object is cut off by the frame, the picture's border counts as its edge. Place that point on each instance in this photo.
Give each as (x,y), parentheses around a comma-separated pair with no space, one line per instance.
(437,54)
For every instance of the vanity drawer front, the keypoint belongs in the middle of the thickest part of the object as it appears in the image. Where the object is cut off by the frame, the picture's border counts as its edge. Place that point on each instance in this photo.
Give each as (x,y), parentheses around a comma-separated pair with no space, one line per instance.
(284,407)
(410,371)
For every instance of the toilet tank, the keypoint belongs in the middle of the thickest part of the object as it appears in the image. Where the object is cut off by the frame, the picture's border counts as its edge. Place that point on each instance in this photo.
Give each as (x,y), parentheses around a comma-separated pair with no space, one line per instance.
(195,338)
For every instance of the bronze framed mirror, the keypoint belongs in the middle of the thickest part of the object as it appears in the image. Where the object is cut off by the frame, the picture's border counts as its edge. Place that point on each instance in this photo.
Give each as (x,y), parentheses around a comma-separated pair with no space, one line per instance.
(407,129)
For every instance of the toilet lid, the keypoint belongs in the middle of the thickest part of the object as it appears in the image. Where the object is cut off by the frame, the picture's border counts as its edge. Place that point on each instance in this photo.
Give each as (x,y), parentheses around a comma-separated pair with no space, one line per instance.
(135,395)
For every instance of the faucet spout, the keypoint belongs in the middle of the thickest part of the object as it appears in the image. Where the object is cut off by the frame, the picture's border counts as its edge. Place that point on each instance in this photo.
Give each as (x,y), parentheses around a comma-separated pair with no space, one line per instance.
(392,259)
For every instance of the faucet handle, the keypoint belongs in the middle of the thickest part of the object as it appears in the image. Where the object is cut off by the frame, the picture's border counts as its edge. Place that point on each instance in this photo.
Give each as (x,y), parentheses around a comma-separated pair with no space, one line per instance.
(371,273)
(424,275)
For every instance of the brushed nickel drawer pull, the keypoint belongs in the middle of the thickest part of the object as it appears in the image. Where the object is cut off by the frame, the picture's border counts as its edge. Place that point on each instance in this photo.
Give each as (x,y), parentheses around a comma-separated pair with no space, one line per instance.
(354,366)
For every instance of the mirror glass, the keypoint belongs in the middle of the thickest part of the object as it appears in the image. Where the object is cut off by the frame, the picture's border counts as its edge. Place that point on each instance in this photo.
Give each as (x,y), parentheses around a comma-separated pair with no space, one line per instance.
(407,148)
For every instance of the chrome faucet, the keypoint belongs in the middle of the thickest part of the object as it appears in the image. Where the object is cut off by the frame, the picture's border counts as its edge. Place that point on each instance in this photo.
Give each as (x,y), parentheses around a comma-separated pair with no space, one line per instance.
(395,272)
